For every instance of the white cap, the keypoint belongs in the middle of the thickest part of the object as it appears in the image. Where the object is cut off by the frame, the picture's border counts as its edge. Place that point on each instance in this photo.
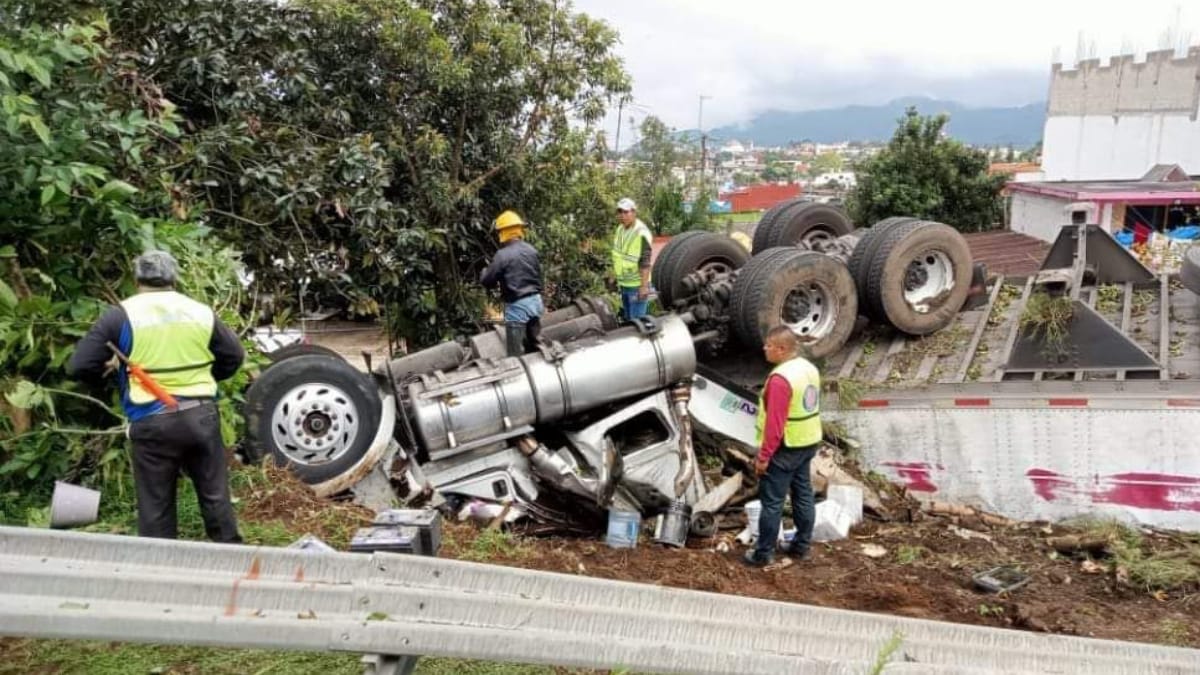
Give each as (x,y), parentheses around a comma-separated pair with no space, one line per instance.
(626,204)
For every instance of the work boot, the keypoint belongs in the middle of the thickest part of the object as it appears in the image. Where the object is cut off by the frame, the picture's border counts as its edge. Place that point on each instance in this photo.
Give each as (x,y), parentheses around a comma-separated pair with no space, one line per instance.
(753,559)
(797,554)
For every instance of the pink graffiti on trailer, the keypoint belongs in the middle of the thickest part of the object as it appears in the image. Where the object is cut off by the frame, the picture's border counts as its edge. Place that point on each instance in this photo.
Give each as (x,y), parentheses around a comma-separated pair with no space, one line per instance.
(1153,491)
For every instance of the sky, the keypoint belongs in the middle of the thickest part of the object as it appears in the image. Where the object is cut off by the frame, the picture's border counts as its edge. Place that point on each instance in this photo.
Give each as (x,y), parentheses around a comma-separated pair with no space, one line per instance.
(755,55)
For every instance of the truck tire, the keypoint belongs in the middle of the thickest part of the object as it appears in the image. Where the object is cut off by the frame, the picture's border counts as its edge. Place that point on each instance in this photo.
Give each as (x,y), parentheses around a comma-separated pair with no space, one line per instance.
(300,349)
(919,277)
(1189,270)
(806,222)
(860,259)
(811,293)
(660,271)
(705,251)
(759,243)
(314,414)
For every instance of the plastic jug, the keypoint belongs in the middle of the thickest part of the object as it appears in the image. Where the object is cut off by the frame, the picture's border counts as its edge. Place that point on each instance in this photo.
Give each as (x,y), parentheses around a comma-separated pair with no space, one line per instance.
(623,528)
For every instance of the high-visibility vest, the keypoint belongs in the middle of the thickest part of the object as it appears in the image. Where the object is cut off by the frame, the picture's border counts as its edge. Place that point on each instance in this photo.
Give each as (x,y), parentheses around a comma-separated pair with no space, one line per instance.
(171,333)
(626,250)
(803,426)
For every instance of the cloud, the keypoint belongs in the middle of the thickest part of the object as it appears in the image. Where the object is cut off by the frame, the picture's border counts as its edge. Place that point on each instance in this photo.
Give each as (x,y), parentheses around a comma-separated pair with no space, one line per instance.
(755,55)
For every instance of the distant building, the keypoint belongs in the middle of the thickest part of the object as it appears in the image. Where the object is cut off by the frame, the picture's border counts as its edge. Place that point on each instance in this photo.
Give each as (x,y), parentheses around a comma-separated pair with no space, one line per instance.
(843,179)
(1118,120)
(758,197)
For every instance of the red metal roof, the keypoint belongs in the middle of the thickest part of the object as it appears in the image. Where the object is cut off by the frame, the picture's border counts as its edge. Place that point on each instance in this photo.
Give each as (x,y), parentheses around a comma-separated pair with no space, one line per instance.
(1006,252)
(759,197)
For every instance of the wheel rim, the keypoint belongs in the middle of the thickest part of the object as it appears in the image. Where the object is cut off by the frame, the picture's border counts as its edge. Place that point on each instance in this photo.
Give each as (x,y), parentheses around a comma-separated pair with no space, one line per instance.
(817,234)
(314,423)
(927,279)
(810,310)
(716,266)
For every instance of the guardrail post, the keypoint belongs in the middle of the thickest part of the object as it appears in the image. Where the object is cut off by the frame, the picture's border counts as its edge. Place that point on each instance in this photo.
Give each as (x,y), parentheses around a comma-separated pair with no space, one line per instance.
(389,664)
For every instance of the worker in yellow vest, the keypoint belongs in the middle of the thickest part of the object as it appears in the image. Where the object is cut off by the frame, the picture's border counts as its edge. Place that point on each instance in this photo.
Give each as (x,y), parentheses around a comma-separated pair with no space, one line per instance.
(186,349)
(789,434)
(631,247)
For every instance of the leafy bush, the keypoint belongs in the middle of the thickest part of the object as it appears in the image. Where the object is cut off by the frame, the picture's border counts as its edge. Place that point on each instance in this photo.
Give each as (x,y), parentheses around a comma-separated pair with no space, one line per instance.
(85,185)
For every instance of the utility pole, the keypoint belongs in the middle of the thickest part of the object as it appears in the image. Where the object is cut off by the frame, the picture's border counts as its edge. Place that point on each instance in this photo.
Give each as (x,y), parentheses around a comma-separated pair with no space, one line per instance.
(703,147)
(620,109)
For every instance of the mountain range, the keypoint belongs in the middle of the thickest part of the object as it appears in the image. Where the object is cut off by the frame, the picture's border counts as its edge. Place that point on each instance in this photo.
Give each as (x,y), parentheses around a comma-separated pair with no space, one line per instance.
(1020,126)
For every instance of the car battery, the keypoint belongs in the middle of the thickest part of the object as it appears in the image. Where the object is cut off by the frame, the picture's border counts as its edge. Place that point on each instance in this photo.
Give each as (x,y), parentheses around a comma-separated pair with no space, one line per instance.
(388,539)
(427,521)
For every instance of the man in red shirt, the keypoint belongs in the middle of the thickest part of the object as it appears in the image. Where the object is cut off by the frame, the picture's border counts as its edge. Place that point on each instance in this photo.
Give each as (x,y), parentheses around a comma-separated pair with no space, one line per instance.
(789,434)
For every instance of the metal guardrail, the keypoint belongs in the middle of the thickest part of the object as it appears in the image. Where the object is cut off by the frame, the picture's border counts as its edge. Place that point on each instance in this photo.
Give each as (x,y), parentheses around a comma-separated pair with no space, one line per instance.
(73,585)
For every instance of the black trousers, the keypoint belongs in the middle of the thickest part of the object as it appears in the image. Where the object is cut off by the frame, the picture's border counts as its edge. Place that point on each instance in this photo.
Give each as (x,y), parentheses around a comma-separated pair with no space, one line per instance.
(187,441)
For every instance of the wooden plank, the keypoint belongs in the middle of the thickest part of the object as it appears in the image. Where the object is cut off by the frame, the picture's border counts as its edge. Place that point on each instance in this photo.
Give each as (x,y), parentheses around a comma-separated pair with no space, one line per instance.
(851,361)
(1016,328)
(961,373)
(885,365)
(1126,315)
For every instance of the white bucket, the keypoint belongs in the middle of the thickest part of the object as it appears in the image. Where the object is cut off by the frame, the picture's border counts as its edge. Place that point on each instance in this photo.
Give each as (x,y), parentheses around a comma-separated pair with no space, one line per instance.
(72,505)
(753,511)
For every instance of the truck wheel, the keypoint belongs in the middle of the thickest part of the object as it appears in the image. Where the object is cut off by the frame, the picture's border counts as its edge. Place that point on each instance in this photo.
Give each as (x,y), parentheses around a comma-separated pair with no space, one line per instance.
(1189,270)
(919,277)
(810,293)
(707,251)
(661,271)
(314,414)
(864,251)
(759,243)
(300,349)
(807,223)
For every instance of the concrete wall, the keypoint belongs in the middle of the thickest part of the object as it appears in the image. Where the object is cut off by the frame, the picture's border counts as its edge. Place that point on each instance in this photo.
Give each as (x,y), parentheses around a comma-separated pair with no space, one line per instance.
(1118,120)
(1037,215)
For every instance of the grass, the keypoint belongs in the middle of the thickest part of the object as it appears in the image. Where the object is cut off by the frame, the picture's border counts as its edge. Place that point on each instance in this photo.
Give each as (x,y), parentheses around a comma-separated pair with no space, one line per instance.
(1108,298)
(1047,318)
(886,652)
(1174,633)
(1178,568)
(110,658)
(494,543)
(907,555)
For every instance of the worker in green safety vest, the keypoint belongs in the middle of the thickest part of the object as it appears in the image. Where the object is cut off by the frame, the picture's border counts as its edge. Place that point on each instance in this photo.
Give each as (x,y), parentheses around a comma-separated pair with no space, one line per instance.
(174,425)
(631,260)
(788,431)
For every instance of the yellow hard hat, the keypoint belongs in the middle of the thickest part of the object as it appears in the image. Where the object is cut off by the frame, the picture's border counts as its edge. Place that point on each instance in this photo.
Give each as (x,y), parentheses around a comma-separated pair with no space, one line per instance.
(508,219)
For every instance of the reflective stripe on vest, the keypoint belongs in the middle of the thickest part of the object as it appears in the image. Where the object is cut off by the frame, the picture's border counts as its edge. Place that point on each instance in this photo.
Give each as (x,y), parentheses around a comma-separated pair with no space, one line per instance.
(803,427)
(626,251)
(171,333)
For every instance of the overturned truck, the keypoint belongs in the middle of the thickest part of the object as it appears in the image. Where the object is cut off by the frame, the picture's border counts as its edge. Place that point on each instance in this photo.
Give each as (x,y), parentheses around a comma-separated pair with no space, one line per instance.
(600,415)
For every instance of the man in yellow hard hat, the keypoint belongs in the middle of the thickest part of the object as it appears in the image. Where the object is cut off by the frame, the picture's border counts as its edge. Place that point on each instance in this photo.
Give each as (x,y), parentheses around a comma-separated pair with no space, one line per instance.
(518,273)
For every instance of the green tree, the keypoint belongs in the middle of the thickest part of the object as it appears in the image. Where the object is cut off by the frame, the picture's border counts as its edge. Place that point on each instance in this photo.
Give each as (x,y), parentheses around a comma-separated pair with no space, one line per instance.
(778,171)
(86,153)
(367,145)
(826,162)
(924,174)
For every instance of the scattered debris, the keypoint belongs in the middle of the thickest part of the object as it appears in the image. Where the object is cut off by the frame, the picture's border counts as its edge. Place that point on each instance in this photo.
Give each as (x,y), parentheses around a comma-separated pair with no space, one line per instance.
(964,533)
(832,523)
(874,551)
(311,544)
(1003,579)
(943,508)
(1091,567)
(1080,543)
